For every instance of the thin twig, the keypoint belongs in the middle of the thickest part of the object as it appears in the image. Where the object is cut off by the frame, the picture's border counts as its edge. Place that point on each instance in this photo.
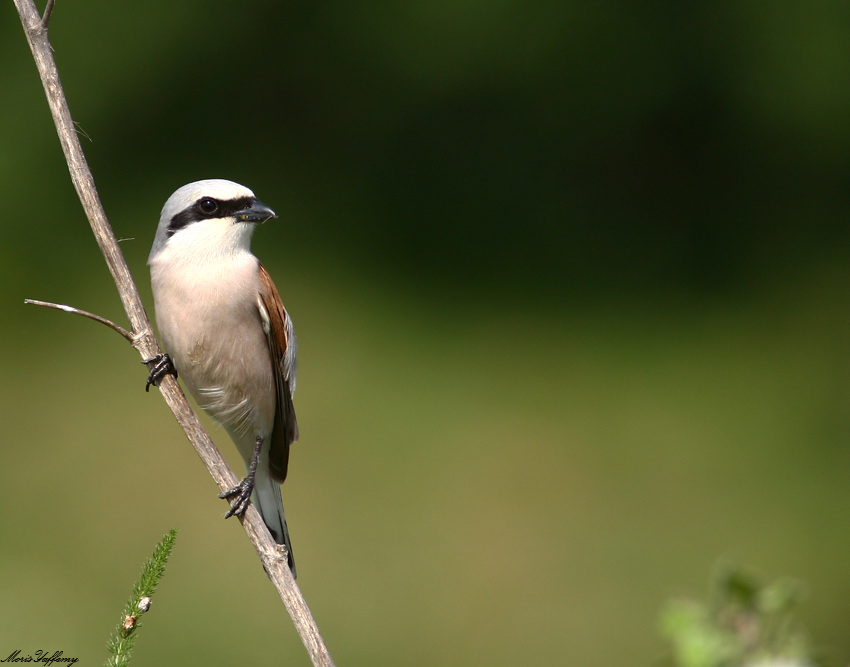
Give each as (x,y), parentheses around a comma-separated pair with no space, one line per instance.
(84,313)
(272,556)
(45,20)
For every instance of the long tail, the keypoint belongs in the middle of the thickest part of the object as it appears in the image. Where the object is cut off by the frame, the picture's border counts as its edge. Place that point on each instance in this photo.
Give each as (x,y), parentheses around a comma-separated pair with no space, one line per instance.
(267,500)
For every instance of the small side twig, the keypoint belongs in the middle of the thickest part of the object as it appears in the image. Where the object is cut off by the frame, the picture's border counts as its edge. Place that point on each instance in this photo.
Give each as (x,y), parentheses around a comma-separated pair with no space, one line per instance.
(84,313)
(45,19)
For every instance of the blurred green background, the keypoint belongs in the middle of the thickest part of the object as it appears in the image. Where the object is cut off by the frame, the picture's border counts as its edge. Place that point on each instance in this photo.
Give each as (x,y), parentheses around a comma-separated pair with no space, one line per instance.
(570,281)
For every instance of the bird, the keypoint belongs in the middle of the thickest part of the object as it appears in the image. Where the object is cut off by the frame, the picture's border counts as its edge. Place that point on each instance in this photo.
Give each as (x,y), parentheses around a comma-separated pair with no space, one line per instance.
(227,335)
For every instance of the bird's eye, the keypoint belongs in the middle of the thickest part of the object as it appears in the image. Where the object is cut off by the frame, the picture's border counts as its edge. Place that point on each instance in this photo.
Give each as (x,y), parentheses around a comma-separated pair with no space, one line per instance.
(208,205)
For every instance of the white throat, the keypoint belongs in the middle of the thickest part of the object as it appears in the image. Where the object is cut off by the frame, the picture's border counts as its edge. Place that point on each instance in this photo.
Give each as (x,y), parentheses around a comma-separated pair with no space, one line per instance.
(208,242)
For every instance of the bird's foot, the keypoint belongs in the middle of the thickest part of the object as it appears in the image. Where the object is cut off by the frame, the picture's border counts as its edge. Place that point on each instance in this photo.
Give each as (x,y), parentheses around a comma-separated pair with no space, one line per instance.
(160,365)
(242,497)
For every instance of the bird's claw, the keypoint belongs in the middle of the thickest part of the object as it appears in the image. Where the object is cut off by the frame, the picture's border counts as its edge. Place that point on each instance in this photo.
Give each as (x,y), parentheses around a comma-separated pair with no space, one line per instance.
(242,493)
(162,366)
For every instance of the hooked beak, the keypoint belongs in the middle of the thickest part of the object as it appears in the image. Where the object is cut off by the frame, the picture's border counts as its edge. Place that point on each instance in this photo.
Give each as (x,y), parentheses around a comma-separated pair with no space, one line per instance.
(256,212)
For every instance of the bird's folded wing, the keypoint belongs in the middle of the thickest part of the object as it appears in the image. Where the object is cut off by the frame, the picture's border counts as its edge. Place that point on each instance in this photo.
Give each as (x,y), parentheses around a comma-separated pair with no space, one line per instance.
(281,339)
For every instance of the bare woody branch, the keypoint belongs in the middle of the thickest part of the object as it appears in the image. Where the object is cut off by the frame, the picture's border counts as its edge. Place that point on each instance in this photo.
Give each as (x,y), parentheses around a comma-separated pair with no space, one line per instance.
(141,333)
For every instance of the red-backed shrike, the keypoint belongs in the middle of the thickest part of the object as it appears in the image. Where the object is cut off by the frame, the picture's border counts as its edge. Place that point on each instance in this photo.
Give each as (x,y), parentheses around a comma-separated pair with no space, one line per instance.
(227,334)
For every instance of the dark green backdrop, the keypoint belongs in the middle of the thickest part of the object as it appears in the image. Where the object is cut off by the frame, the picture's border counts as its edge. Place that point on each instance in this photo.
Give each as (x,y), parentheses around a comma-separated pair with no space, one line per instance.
(570,283)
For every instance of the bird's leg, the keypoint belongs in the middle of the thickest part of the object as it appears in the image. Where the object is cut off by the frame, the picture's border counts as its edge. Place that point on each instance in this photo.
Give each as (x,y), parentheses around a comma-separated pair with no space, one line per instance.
(162,366)
(243,490)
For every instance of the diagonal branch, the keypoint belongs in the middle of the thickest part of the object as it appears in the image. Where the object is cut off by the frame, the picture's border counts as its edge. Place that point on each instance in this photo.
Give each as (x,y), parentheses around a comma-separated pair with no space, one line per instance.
(143,338)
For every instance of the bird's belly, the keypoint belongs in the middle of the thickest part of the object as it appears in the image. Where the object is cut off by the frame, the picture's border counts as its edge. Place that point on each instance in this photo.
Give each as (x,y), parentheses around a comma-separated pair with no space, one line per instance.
(221,354)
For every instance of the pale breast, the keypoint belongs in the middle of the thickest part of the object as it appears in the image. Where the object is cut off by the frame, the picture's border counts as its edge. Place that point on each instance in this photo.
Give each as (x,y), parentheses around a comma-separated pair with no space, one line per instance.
(210,325)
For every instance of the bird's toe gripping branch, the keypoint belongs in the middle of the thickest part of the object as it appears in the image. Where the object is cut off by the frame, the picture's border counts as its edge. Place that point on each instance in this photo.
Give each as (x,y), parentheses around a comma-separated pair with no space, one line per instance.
(241,494)
(242,491)
(160,366)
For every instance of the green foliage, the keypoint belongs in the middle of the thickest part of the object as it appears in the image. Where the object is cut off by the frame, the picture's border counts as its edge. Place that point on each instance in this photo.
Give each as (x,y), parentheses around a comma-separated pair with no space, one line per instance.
(744,623)
(122,641)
